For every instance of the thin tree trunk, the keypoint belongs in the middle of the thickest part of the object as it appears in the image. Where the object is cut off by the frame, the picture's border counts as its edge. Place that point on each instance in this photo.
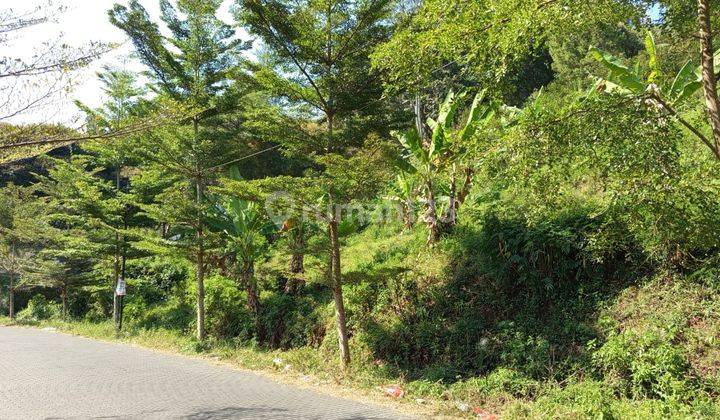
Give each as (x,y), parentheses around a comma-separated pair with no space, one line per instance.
(201,249)
(123,272)
(119,319)
(709,78)
(117,315)
(116,306)
(335,267)
(118,301)
(336,284)
(297,261)
(431,218)
(63,295)
(336,270)
(116,298)
(420,119)
(200,269)
(11,298)
(457,198)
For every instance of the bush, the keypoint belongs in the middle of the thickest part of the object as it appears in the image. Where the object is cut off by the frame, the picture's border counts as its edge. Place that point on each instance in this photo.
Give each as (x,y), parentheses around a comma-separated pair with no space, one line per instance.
(155,279)
(586,399)
(500,382)
(226,312)
(522,351)
(292,321)
(39,309)
(645,364)
(176,314)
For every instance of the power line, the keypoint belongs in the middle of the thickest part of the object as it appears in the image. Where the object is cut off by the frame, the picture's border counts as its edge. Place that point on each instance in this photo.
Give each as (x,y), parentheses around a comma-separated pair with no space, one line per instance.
(243,158)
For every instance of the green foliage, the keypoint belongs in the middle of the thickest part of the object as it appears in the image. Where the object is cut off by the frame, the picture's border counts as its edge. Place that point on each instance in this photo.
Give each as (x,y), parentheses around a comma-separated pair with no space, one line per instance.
(13,134)
(587,399)
(494,46)
(228,316)
(446,143)
(196,60)
(176,314)
(39,309)
(580,282)
(645,365)
(244,224)
(684,85)
(317,75)
(502,382)
(294,322)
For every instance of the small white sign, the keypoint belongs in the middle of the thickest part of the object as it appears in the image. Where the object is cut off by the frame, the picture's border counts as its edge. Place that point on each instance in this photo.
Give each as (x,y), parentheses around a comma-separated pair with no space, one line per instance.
(120,289)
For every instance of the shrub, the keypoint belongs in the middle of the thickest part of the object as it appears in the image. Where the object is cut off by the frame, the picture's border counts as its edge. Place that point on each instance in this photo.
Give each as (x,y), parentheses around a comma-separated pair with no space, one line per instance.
(522,351)
(226,312)
(500,382)
(39,309)
(176,314)
(645,364)
(292,321)
(586,399)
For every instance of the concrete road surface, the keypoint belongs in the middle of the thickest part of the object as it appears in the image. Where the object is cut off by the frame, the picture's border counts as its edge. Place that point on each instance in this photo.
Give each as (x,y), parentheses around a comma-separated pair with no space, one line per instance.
(47,375)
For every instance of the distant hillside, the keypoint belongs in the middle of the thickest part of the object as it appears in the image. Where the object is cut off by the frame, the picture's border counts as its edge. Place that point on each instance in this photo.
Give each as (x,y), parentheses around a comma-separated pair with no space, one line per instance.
(18,163)
(20,172)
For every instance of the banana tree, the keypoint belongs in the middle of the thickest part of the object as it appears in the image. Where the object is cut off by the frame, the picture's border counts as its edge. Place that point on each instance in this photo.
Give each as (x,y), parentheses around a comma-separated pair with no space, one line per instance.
(647,83)
(444,150)
(405,190)
(244,226)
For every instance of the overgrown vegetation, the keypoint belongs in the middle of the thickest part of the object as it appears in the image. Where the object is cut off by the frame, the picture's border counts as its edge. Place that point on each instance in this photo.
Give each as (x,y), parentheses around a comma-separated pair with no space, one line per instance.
(513,212)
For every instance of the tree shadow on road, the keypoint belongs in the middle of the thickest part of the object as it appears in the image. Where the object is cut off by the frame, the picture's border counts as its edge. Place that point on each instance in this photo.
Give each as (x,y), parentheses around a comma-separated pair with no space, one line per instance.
(239,413)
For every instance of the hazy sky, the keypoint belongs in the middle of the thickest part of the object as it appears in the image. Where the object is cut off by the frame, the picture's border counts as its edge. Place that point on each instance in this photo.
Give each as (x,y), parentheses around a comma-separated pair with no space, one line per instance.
(84,21)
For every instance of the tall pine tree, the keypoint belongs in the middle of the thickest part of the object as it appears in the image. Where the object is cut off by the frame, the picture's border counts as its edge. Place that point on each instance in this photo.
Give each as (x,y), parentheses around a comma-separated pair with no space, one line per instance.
(197,65)
(316,61)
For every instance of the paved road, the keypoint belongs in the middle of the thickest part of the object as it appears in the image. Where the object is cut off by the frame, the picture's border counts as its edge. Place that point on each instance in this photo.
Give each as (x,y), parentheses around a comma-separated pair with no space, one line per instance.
(47,375)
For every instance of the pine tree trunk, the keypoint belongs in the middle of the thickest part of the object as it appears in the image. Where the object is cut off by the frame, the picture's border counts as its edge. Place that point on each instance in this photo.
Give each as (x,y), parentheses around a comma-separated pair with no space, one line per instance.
(200,270)
(200,238)
(11,298)
(709,78)
(116,298)
(123,271)
(116,307)
(118,319)
(63,295)
(336,284)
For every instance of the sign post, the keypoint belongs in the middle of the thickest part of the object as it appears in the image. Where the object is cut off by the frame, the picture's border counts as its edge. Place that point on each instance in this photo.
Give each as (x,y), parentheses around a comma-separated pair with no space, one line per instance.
(120,291)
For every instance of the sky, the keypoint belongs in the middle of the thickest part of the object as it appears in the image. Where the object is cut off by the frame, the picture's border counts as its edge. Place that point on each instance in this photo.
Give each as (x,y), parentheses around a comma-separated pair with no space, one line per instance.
(84,21)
